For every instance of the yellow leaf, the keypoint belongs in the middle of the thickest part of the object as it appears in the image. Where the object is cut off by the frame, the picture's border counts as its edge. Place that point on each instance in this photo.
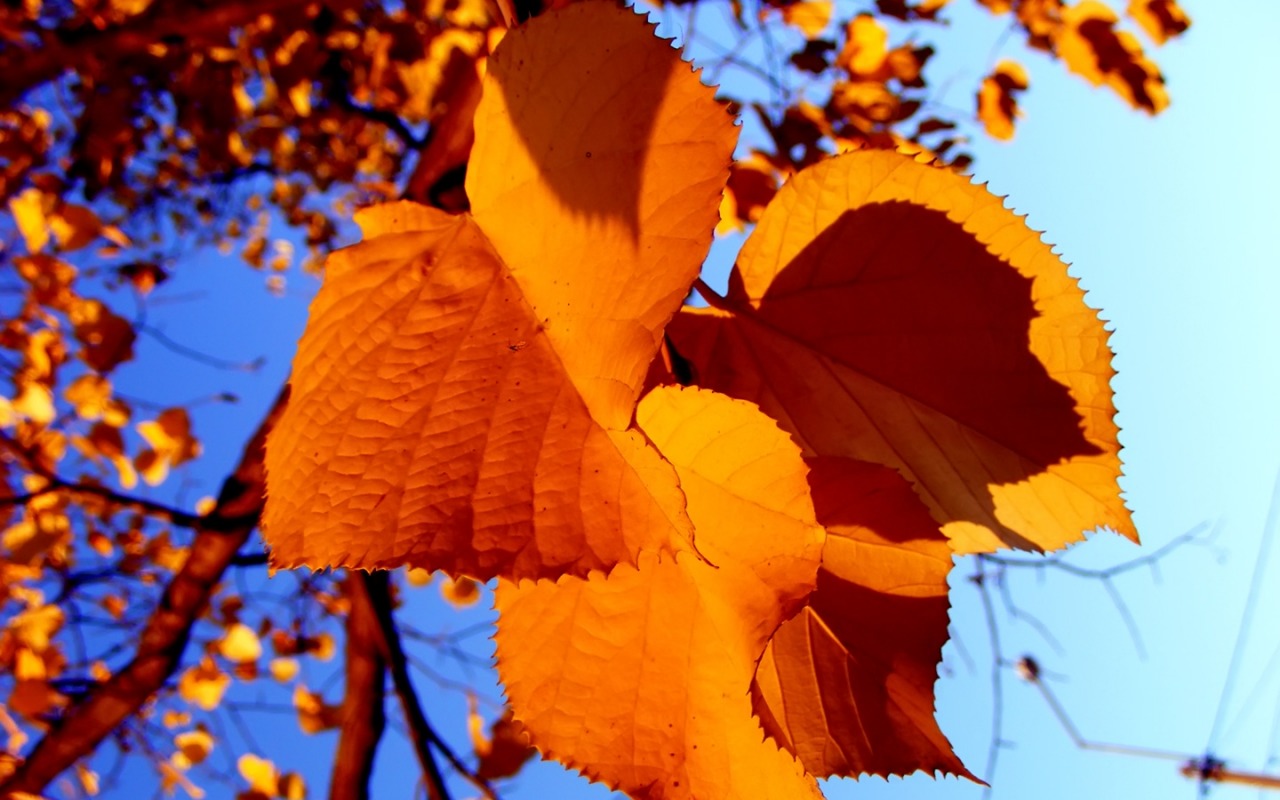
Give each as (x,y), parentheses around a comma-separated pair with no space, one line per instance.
(175,719)
(661,655)
(204,684)
(27,208)
(90,394)
(597,150)
(284,669)
(300,98)
(1091,47)
(982,377)
(418,577)
(291,786)
(314,715)
(461,591)
(260,773)
(195,745)
(106,337)
(847,684)
(1161,19)
(240,645)
(866,47)
(88,779)
(35,627)
(810,16)
(74,226)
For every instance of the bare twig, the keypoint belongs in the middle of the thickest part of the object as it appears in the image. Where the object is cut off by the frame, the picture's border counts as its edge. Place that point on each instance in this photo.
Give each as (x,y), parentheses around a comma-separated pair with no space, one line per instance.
(423,736)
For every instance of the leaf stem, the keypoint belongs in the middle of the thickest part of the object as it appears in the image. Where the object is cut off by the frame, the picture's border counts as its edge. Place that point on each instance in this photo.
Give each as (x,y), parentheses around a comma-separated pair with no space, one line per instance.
(714,299)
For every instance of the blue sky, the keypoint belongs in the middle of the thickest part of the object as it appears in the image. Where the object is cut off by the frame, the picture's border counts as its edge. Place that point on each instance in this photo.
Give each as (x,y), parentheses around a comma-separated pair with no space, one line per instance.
(1167,223)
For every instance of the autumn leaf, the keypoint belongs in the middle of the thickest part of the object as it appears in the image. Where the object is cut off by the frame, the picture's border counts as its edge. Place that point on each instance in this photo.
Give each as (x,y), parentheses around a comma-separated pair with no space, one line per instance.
(503,750)
(172,444)
(847,684)
(997,100)
(1091,47)
(597,151)
(890,311)
(1161,19)
(107,338)
(640,678)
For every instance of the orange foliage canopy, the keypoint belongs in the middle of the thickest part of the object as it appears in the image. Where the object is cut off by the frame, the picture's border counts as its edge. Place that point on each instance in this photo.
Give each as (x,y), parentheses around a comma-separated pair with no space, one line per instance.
(700,596)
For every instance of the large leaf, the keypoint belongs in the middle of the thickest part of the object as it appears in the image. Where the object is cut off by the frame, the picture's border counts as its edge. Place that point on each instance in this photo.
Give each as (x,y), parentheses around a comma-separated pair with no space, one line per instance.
(640,678)
(462,397)
(889,311)
(847,685)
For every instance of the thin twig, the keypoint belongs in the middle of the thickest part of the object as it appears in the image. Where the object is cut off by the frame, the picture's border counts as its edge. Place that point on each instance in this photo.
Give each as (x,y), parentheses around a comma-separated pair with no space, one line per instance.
(422,735)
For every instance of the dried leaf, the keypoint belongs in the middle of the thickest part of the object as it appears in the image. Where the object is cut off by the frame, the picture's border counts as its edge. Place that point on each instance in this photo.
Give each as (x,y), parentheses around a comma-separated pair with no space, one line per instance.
(982,377)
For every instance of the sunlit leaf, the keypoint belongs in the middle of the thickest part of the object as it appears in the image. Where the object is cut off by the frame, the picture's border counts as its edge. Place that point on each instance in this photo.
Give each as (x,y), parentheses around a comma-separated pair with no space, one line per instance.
(639,678)
(1091,47)
(597,150)
(261,773)
(1161,19)
(847,685)
(240,645)
(890,311)
(997,101)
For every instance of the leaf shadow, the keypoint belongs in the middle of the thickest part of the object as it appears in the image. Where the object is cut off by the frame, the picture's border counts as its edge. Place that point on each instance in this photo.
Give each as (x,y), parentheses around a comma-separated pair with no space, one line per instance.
(586,114)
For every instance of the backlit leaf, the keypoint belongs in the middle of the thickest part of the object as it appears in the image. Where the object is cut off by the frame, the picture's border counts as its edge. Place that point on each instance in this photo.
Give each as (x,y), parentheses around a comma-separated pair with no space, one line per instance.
(1161,19)
(847,685)
(640,678)
(997,101)
(240,645)
(261,773)
(890,311)
(1091,47)
(440,343)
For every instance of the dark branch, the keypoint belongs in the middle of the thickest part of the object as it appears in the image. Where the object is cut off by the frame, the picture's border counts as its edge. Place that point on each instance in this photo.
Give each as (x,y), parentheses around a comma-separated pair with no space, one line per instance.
(363,705)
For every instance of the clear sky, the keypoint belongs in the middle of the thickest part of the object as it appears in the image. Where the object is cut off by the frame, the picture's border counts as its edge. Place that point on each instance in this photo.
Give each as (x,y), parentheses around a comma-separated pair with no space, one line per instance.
(1168,223)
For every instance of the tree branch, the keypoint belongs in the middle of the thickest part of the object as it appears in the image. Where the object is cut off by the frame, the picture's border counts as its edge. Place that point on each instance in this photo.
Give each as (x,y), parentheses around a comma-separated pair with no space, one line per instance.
(363,705)
(164,639)
(423,736)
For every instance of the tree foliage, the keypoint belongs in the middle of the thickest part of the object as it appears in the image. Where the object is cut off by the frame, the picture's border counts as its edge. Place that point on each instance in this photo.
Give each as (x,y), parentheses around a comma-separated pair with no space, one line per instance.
(741,516)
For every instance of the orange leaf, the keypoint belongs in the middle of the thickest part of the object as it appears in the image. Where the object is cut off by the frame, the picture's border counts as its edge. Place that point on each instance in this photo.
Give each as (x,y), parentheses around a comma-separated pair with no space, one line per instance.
(1091,47)
(847,685)
(597,168)
(997,105)
(1161,19)
(640,678)
(462,398)
(504,750)
(107,337)
(889,311)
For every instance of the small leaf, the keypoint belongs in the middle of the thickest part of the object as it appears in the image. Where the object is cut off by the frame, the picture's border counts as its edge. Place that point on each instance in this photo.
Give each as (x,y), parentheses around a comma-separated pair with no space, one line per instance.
(847,684)
(997,101)
(240,645)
